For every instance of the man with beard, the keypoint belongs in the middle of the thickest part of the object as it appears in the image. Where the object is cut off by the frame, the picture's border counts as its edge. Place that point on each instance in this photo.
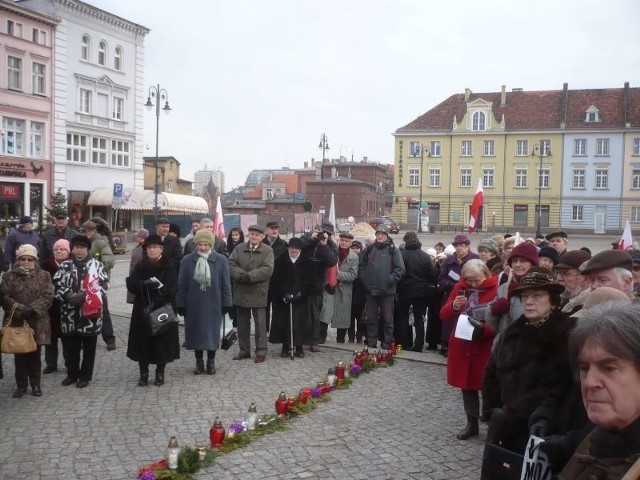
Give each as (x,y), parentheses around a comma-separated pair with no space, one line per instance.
(576,285)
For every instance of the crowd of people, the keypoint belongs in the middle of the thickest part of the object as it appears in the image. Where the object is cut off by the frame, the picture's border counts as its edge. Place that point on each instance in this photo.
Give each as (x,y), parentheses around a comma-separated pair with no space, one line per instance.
(540,339)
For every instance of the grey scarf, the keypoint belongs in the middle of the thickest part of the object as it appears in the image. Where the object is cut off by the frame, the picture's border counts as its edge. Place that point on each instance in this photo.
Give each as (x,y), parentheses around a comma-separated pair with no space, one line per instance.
(202,273)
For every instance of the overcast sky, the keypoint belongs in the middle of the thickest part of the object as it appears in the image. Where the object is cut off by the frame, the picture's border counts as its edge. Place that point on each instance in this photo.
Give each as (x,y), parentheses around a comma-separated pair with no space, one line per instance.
(254,83)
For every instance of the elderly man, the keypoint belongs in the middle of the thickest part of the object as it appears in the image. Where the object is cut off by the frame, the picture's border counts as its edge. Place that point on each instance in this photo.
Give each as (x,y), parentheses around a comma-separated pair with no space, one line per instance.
(172,249)
(100,250)
(279,246)
(219,246)
(559,241)
(576,285)
(60,230)
(611,268)
(251,266)
(24,234)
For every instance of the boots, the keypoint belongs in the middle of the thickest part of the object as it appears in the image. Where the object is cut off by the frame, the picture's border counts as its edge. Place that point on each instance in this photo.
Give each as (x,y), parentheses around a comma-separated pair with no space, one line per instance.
(470,430)
(211,367)
(144,375)
(199,366)
(285,351)
(159,375)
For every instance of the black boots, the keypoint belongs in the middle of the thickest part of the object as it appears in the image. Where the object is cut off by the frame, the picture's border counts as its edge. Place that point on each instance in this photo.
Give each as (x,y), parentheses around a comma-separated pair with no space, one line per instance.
(285,351)
(211,367)
(144,375)
(470,430)
(159,375)
(199,366)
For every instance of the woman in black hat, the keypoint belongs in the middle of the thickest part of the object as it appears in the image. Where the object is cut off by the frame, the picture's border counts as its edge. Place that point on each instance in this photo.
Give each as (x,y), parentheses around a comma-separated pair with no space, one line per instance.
(144,348)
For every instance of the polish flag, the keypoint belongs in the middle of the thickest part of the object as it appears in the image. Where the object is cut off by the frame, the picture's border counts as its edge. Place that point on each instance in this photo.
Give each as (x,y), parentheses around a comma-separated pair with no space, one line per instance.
(626,242)
(478,202)
(218,222)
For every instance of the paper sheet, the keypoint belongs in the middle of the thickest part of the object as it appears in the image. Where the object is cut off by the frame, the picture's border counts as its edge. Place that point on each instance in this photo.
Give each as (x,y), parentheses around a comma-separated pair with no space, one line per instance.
(464,329)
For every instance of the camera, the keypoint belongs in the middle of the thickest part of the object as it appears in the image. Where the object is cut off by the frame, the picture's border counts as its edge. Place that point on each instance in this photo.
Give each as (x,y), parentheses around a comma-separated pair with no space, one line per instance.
(321,235)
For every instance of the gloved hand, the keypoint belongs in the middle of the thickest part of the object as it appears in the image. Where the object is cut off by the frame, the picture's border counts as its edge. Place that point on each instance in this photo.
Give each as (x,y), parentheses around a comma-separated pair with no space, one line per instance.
(500,306)
(478,329)
(28,314)
(288,298)
(226,310)
(558,448)
(150,284)
(498,425)
(182,311)
(244,278)
(76,299)
(539,428)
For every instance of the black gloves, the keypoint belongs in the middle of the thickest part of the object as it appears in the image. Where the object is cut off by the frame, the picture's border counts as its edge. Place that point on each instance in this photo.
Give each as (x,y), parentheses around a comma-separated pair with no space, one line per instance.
(226,310)
(297,297)
(478,329)
(244,278)
(499,424)
(150,284)
(558,448)
(28,314)
(288,298)
(182,311)
(76,299)
(539,428)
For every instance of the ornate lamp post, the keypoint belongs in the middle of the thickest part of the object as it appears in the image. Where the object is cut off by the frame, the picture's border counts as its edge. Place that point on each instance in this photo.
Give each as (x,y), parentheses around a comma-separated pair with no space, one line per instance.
(420,230)
(160,95)
(540,151)
(324,145)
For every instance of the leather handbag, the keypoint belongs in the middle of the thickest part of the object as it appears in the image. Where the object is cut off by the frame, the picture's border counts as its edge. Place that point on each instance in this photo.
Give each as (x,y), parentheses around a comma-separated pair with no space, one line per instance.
(161,319)
(499,463)
(17,339)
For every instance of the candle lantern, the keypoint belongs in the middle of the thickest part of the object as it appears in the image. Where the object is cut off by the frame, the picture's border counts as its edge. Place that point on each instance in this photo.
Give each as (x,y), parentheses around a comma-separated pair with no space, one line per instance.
(399,349)
(365,352)
(172,452)
(331,377)
(340,370)
(393,348)
(252,417)
(380,357)
(291,403)
(327,387)
(358,359)
(389,356)
(307,393)
(302,397)
(281,404)
(216,433)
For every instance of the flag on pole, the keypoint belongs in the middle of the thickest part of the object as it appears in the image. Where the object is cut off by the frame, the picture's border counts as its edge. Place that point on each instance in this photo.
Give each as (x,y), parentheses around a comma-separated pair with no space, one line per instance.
(332,211)
(474,212)
(626,241)
(218,222)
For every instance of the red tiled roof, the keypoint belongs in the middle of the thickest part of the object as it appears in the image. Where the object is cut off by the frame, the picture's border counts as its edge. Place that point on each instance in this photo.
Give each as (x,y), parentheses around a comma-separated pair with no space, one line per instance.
(538,110)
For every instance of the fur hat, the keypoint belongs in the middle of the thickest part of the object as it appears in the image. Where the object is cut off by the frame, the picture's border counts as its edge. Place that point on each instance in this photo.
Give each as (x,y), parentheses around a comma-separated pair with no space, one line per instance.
(62,243)
(27,250)
(153,239)
(204,236)
(81,241)
(328,228)
(550,253)
(295,242)
(488,244)
(525,250)
(538,278)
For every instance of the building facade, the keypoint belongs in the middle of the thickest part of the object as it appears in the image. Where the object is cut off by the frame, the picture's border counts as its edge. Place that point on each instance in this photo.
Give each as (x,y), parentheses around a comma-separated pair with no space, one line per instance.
(201,180)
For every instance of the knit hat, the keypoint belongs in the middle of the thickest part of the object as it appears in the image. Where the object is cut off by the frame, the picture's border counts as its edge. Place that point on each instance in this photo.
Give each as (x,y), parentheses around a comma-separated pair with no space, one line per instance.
(383,228)
(27,250)
(153,240)
(550,253)
(204,236)
(524,250)
(142,233)
(295,242)
(25,219)
(358,244)
(449,250)
(538,278)
(81,241)
(431,252)
(601,295)
(62,243)
(488,244)
(609,259)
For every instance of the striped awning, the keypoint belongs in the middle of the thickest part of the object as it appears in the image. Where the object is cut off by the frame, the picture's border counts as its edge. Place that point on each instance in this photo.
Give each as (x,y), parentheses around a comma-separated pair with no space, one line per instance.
(145,200)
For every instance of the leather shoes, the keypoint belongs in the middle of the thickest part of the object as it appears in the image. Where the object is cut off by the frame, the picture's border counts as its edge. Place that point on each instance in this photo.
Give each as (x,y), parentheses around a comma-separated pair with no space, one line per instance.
(199,366)
(111,346)
(159,379)
(82,384)
(36,391)
(68,381)
(241,355)
(315,349)
(144,379)
(49,369)
(260,358)
(19,392)
(299,352)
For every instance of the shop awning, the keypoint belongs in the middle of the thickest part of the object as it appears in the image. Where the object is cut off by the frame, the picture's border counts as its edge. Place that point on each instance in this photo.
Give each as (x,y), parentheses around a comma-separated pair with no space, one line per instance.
(145,200)
(131,199)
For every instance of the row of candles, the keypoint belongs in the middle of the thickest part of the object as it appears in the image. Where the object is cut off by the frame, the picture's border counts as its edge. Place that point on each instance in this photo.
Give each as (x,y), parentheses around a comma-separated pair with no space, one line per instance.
(332,380)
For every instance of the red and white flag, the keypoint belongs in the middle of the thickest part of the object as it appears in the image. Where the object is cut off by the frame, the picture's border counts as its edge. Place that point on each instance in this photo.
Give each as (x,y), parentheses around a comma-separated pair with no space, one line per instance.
(626,241)
(218,222)
(478,202)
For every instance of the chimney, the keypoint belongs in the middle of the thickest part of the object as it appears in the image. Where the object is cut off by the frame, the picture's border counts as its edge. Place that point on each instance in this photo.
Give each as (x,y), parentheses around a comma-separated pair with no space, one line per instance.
(467,94)
(503,96)
(306,165)
(627,123)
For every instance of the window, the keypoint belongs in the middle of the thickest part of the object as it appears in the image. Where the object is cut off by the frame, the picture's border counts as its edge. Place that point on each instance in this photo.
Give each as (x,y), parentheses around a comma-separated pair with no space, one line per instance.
(602,147)
(580,147)
(465,148)
(102,52)
(118,108)
(543,179)
(414,149)
(635,215)
(489,148)
(478,121)
(521,178)
(117,59)
(38,82)
(39,36)
(99,151)
(520,215)
(592,115)
(635,178)
(488,179)
(414,177)
(434,177)
(436,149)
(636,146)
(85,48)
(36,135)
(119,153)
(15,73)
(14,28)
(578,178)
(602,178)
(545,147)
(77,148)
(576,213)
(85,101)
(522,148)
(170,189)
(12,136)
(465,177)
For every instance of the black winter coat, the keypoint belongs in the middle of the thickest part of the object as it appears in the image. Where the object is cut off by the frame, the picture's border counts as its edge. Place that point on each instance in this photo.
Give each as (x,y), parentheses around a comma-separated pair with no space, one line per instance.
(419,271)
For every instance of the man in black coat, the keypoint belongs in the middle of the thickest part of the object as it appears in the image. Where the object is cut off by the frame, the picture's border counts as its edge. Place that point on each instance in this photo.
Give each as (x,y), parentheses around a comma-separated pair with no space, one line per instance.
(60,230)
(172,247)
(279,246)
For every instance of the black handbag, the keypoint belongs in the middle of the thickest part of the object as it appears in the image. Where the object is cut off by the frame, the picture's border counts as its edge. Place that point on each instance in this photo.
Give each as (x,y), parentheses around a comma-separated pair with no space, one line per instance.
(229,338)
(161,319)
(498,463)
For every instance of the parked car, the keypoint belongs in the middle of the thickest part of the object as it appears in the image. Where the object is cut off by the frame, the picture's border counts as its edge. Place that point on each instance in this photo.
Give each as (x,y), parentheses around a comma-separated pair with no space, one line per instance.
(388,221)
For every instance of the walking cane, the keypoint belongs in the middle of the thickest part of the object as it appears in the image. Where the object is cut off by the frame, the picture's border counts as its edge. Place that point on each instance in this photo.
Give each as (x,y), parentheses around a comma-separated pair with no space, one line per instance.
(291,329)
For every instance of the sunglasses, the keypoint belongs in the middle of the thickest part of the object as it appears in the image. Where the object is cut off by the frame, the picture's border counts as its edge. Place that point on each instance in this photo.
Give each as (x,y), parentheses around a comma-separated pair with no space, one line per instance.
(27,259)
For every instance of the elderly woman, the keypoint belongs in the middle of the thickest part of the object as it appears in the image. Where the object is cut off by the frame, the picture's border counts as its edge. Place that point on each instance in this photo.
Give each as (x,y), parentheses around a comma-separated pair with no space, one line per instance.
(605,348)
(467,358)
(27,294)
(61,251)
(144,348)
(530,360)
(203,296)
(136,256)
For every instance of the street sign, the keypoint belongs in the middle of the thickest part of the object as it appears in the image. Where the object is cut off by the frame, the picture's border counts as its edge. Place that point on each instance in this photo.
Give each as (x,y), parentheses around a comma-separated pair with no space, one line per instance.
(116,202)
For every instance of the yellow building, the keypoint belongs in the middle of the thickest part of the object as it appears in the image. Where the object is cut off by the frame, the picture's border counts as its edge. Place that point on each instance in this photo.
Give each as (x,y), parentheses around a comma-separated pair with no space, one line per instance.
(168,176)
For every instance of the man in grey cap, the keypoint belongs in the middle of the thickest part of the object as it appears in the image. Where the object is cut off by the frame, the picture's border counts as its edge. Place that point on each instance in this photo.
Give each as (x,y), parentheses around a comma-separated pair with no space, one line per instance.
(251,267)
(610,268)
(559,241)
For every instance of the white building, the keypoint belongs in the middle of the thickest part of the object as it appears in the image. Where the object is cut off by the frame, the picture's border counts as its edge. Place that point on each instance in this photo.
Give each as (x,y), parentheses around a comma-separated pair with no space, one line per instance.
(201,180)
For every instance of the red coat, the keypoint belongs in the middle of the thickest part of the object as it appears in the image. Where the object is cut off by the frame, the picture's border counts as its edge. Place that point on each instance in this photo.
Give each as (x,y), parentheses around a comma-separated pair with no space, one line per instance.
(467,359)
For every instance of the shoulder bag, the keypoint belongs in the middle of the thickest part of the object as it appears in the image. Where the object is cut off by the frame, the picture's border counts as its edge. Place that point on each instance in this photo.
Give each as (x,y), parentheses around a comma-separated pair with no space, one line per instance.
(161,319)
(17,339)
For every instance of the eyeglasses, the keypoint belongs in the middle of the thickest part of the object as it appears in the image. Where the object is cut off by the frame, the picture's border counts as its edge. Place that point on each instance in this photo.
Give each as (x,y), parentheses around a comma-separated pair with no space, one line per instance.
(27,259)
(565,274)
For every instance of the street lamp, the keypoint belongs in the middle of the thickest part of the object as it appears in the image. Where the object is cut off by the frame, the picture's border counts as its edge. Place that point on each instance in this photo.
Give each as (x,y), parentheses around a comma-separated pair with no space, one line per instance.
(540,152)
(420,230)
(160,95)
(324,145)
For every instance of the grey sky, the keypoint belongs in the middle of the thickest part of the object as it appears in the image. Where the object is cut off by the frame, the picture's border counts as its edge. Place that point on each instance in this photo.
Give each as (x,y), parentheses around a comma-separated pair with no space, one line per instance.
(254,83)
